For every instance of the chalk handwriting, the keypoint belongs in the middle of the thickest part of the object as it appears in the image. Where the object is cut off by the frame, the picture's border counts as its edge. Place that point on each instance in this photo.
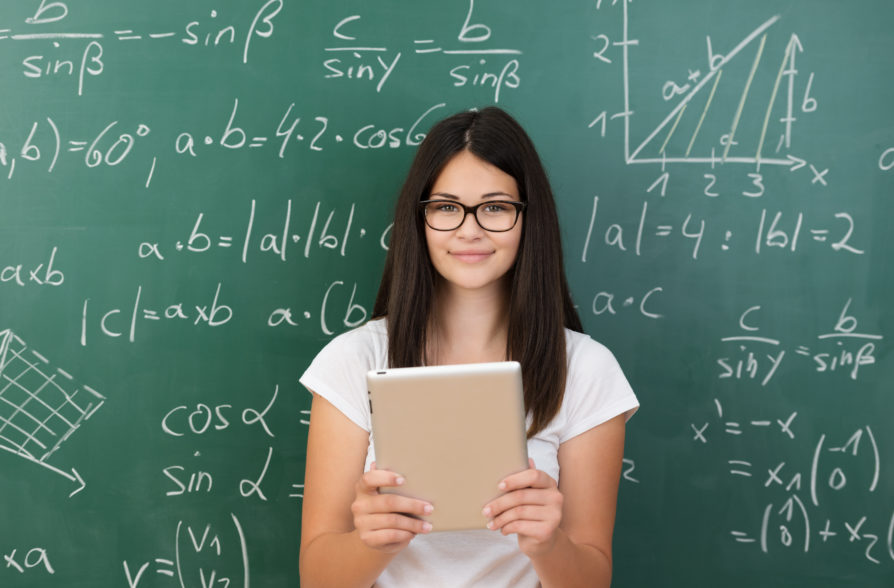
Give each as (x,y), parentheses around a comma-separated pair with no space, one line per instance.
(115,323)
(771,233)
(183,420)
(301,233)
(39,275)
(852,350)
(202,556)
(36,557)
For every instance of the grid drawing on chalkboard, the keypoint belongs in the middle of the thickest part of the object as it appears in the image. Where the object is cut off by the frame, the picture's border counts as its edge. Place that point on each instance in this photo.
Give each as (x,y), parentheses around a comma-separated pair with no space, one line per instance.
(40,407)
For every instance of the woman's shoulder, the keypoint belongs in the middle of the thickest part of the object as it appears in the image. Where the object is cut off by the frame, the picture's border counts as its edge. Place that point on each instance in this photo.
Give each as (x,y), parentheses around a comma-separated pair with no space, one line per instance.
(338,372)
(592,365)
(581,347)
(370,332)
(365,344)
(372,329)
(595,388)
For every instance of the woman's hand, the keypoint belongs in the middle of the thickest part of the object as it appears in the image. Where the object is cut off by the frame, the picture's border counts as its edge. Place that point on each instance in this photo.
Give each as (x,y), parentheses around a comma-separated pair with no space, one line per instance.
(386,522)
(531,508)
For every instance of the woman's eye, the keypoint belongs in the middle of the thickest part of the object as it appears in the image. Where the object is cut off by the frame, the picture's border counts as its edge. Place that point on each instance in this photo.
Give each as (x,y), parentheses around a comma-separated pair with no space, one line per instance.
(497,208)
(445,207)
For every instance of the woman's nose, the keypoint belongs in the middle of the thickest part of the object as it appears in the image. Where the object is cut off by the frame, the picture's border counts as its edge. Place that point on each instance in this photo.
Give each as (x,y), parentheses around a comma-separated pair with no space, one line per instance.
(469,226)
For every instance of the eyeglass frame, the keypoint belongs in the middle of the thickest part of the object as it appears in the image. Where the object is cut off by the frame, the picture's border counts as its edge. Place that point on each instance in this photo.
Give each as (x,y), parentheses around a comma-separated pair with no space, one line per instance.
(473,210)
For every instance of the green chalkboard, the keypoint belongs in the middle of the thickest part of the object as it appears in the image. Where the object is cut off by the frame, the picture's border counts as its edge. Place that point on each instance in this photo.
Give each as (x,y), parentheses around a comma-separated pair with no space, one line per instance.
(195,197)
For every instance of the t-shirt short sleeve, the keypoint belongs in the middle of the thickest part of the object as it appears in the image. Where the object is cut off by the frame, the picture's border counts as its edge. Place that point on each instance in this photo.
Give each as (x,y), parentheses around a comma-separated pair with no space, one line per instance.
(596,389)
(338,372)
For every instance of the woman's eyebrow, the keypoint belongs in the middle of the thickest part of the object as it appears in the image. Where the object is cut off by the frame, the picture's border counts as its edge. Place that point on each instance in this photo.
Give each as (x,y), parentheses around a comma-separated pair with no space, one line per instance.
(445,195)
(483,196)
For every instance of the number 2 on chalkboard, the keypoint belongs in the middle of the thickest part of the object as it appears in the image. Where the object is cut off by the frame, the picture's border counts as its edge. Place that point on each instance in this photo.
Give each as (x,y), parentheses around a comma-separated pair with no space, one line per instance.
(850,230)
(600,54)
(313,143)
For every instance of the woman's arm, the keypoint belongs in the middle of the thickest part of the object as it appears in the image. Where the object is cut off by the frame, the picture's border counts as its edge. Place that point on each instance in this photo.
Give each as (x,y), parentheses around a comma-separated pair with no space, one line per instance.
(566,530)
(349,531)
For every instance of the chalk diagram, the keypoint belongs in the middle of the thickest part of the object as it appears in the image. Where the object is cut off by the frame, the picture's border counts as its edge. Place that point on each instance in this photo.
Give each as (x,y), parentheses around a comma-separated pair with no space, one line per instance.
(40,406)
(679,137)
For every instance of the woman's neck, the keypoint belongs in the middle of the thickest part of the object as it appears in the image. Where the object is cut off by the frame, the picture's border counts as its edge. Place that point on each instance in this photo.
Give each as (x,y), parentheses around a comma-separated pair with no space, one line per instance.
(468,326)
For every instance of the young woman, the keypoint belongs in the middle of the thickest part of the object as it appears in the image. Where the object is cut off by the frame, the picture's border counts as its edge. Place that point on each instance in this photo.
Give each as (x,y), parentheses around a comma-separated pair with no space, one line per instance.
(473,274)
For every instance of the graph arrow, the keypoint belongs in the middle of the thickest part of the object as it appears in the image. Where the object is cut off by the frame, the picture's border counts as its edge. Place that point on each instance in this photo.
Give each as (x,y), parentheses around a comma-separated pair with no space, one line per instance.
(73,475)
(797,162)
(794,45)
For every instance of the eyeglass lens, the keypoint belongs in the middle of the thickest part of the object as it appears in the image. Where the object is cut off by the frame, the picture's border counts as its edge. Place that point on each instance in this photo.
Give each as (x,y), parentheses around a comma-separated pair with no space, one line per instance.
(443,215)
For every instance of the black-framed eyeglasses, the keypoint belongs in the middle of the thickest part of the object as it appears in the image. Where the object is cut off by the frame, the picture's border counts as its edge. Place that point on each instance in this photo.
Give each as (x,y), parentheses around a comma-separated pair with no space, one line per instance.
(496,216)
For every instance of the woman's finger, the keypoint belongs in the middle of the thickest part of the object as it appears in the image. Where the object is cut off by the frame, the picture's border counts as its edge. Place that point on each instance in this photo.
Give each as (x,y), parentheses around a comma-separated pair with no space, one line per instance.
(393,520)
(389,531)
(525,512)
(387,539)
(393,503)
(371,481)
(530,478)
(547,514)
(518,498)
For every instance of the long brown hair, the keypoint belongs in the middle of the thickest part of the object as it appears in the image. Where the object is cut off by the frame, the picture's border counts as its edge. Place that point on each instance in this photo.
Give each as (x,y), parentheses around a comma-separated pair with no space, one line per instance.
(540,305)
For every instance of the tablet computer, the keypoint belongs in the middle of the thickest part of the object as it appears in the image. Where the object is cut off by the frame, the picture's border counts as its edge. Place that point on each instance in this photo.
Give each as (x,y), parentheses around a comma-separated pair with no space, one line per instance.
(453,432)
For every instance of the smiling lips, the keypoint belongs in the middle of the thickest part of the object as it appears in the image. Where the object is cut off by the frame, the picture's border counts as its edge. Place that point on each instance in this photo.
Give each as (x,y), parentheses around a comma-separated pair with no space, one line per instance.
(470,256)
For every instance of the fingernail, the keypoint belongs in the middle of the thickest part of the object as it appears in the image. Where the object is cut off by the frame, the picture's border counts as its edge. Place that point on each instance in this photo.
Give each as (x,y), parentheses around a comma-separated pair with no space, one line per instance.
(426,527)
(399,481)
(486,511)
(490,525)
(502,485)
(427,509)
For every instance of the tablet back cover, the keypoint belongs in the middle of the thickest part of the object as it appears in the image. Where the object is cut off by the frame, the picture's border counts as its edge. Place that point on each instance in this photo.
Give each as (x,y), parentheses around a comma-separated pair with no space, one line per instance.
(454,432)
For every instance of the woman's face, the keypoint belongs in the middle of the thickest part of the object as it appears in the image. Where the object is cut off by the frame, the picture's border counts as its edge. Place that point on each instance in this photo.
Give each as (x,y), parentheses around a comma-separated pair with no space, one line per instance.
(469,257)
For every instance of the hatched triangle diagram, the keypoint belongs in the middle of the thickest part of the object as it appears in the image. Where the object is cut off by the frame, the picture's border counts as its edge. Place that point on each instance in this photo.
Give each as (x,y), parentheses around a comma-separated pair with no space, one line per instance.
(755,130)
(41,407)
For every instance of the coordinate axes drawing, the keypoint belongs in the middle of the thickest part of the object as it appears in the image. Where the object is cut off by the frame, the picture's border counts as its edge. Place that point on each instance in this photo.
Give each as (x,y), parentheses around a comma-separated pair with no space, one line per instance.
(693,101)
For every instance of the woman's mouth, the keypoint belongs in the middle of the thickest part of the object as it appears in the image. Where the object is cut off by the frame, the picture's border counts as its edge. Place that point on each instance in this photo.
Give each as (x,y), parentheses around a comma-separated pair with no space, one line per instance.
(470,256)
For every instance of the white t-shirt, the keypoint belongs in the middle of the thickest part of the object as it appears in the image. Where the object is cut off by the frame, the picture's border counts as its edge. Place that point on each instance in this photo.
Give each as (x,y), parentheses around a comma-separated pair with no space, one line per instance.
(595,391)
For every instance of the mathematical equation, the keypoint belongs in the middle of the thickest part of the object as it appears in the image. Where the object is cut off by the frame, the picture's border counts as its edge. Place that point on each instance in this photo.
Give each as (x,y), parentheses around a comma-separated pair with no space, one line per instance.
(476,71)
(852,350)
(45,144)
(838,466)
(339,309)
(322,234)
(194,422)
(198,558)
(854,460)
(791,523)
(778,528)
(89,61)
(771,230)
(215,30)
(812,512)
